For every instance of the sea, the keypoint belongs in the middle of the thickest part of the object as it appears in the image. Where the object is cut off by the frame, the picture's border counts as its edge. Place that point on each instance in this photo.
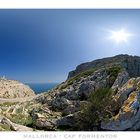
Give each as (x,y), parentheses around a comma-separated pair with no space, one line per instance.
(41,87)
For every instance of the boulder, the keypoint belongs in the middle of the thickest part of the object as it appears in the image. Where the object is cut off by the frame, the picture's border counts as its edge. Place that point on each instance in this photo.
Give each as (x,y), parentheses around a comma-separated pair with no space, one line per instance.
(45,124)
(85,89)
(67,121)
(12,126)
(70,109)
(121,79)
(71,94)
(60,103)
(128,116)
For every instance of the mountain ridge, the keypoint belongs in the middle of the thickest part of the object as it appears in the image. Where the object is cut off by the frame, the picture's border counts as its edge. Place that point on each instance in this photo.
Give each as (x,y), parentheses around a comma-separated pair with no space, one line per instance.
(122,59)
(104,95)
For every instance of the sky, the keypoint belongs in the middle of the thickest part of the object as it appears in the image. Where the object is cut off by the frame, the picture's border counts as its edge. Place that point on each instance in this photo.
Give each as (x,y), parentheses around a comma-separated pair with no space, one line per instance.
(40,46)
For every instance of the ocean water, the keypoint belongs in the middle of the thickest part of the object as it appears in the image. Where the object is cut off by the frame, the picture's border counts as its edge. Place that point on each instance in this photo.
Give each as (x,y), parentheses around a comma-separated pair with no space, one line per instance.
(41,87)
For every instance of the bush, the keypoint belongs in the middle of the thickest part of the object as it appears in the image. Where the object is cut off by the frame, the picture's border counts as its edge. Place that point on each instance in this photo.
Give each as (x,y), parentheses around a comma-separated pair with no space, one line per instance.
(113,73)
(97,97)
(78,77)
(5,127)
(7,104)
(96,108)
(21,119)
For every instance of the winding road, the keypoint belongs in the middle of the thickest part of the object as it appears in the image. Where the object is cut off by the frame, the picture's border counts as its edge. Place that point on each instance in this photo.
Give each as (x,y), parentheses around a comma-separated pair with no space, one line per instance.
(13,100)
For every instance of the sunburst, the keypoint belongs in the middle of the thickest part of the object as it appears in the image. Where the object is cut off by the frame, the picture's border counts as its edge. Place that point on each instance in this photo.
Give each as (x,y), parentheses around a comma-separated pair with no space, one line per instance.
(120,36)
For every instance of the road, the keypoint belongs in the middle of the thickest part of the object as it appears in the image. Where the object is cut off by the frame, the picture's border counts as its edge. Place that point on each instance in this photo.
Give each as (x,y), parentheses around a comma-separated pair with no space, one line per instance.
(13,100)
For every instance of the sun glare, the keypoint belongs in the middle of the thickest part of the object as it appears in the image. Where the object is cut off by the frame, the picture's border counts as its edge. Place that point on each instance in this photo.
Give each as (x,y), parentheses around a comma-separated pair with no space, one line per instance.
(120,36)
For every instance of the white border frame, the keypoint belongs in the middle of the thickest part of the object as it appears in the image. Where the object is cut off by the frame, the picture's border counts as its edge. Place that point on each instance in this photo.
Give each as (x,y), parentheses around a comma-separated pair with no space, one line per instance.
(74,4)
(69,4)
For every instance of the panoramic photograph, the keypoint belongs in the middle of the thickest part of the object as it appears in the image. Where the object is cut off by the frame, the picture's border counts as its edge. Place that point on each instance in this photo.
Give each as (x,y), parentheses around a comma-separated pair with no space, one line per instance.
(69,70)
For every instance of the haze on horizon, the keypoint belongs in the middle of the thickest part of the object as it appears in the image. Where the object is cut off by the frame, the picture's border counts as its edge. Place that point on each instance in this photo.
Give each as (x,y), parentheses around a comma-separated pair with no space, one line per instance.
(44,45)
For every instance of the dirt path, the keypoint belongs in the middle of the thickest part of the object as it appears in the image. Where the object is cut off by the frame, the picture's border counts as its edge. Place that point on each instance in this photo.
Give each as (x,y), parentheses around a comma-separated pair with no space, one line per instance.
(3,100)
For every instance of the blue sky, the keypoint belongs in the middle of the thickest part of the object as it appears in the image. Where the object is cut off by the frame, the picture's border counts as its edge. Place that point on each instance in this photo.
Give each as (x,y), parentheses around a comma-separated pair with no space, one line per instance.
(44,45)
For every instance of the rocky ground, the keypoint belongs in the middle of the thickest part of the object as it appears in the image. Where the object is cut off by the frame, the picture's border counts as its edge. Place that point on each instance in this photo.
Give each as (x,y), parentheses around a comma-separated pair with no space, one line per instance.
(99,95)
(14,89)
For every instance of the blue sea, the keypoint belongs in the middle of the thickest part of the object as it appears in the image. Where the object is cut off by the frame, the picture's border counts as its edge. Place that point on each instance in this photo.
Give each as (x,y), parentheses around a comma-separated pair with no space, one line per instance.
(41,87)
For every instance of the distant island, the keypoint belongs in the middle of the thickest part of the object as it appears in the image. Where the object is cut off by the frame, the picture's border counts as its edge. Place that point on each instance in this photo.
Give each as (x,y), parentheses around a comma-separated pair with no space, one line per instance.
(100,95)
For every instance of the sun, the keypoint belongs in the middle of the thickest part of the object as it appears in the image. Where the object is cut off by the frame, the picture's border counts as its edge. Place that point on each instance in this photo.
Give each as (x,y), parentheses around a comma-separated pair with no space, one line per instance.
(120,36)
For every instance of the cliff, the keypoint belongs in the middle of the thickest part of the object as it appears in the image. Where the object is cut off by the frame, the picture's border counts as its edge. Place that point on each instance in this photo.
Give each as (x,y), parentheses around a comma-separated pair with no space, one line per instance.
(14,89)
(99,95)
(130,63)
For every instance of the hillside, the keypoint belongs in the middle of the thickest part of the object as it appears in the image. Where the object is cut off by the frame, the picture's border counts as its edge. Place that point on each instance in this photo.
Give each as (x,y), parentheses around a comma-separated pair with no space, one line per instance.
(99,95)
(14,89)
(130,63)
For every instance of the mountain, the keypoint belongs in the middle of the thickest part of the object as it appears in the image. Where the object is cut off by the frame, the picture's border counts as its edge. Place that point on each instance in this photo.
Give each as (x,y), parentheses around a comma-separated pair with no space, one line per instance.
(130,63)
(100,95)
(14,89)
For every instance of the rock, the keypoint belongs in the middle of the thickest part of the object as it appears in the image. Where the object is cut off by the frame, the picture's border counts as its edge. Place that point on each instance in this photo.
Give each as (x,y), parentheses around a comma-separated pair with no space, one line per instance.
(44,98)
(89,86)
(85,89)
(71,109)
(63,106)
(63,93)
(71,94)
(121,79)
(68,121)
(12,126)
(130,63)
(60,103)
(125,90)
(18,127)
(128,116)
(14,89)
(45,124)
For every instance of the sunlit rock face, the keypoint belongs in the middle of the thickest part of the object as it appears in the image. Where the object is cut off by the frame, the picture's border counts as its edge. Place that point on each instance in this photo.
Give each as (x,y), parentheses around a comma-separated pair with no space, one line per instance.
(14,89)
(130,63)
(128,117)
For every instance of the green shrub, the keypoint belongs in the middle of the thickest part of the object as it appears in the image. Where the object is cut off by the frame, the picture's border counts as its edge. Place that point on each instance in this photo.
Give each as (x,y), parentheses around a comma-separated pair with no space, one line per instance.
(114,70)
(113,73)
(97,97)
(7,104)
(96,108)
(5,127)
(78,76)
(21,119)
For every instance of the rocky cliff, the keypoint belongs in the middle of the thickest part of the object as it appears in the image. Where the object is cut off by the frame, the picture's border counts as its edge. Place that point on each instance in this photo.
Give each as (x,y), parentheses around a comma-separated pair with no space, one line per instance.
(14,89)
(99,95)
(130,63)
